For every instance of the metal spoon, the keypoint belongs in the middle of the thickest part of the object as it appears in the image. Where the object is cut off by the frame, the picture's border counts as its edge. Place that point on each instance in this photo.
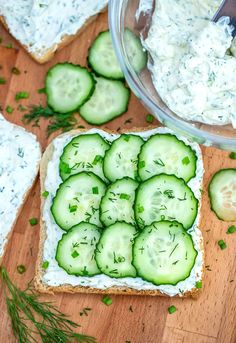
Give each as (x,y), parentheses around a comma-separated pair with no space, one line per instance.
(227,9)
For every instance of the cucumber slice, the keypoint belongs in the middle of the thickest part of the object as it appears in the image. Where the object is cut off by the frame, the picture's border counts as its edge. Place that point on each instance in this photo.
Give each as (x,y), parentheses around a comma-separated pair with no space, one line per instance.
(76,250)
(117,203)
(114,251)
(110,100)
(77,200)
(165,197)
(83,153)
(164,153)
(122,158)
(222,193)
(68,86)
(102,58)
(135,51)
(164,253)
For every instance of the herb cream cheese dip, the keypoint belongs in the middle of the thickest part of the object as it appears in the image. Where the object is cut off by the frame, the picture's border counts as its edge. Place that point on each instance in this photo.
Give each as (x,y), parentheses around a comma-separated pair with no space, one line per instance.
(194,60)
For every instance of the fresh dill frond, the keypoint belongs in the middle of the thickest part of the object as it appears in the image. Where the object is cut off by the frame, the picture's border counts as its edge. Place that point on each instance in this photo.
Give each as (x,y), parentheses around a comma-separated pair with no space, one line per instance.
(32,319)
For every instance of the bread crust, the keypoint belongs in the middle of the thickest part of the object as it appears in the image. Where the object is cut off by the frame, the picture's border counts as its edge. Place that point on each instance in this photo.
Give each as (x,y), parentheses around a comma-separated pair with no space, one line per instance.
(49,53)
(38,280)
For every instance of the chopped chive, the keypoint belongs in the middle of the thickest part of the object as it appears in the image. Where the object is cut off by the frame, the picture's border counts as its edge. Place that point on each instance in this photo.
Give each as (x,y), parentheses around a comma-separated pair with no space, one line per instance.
(149,118)
(95,190)
(107,300)
(45,194)
(9,46)
(21,269)
(172,309)
(232,155)
(98,158)
(65,168)
(15,71)
(185,161)
(231,229)
(124,196)
(42,90)
(73,208)
(140,209)
(45,265)
(2,81)
(21,95)
(75,254)
(141,164)
(126,138)
(33,221)
(222,244)
(9,109)
(198,284)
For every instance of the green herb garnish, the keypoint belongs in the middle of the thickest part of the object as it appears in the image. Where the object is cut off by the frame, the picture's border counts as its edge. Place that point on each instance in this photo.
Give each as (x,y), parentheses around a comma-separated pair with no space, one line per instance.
(185,161)
(9,109)
(172,309)
(141,164)
(85,311)
(232,155)
(107,300)
(124,196)
(198,284)
(45,194)
(9,46)
(33,221)
(75,254)
(222,244)
(30,316)
(73,208)
(21,95)
(45,265)
(2,81)
(21,108)
(98,158)
(231,229)
(15,71)
(42,90)
(95,190)
(21,269)
(149,118)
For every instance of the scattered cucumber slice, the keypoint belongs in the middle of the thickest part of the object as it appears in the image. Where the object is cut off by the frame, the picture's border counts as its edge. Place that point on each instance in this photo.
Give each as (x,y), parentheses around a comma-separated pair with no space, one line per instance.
(165,197)
(109,100)
(222,193)
(114,251)
(121,159)
(77,200)
(164,153)
(164,253)
(83,153)
(68,86)
(76,250)
(117,203)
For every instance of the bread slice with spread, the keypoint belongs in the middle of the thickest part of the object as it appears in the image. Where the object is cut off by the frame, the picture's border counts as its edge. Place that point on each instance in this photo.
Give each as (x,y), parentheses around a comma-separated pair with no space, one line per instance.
(44,26)
(20,156)
(107,226)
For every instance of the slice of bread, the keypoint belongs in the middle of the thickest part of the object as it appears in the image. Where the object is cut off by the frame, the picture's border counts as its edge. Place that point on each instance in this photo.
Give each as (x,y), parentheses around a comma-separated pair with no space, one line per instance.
(41,50)
(54,279)
(20,156)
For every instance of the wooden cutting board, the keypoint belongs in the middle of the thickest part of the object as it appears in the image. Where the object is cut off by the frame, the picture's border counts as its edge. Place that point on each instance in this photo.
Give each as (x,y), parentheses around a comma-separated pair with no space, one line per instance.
(209,319)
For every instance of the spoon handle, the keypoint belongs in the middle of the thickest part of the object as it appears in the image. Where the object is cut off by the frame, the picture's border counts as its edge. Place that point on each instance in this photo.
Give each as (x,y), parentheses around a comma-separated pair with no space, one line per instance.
(227,8)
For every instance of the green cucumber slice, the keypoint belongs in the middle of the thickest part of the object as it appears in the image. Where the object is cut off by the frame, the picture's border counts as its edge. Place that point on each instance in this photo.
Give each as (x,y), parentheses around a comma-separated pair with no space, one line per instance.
(136,54)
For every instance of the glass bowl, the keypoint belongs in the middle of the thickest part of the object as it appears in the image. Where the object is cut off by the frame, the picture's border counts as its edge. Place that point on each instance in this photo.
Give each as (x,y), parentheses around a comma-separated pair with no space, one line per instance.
(122,14)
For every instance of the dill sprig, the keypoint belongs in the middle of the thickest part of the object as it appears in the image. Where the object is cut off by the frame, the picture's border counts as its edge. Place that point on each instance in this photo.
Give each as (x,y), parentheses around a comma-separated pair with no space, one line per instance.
(32,319)
(58,121)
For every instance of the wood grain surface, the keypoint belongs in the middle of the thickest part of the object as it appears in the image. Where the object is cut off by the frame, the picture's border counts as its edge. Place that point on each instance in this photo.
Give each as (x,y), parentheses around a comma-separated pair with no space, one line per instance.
(209,319)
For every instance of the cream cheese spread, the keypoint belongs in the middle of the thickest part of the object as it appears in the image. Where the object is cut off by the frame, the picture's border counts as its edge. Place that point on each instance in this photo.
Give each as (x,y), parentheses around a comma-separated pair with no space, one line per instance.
(193,60)
(55,276)
(20,155)
(41,24)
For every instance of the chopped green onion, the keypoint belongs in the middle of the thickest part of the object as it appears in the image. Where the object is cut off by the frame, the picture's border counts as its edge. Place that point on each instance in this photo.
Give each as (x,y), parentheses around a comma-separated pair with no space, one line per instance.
(42,90)
(185,161)
(73,208)
(124,196)
(2,81)
(95,190)
(149,118)
(142,164)
(126,138)
(198,284)
(98,158)
(232,155)
(172,309)
(45,265)
(65,168)
(21,269)
(222,244)
(231,229)
(140,209)
(107,300)
(15,71)
(45,194)
(9,46)
(33,221)
(9,109)
(21,95)
(75,254)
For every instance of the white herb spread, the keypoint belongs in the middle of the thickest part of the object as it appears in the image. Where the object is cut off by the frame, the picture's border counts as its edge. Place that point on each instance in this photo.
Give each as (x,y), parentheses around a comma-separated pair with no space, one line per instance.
(20,155)
(193,60)
(55,276)
(41,24)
